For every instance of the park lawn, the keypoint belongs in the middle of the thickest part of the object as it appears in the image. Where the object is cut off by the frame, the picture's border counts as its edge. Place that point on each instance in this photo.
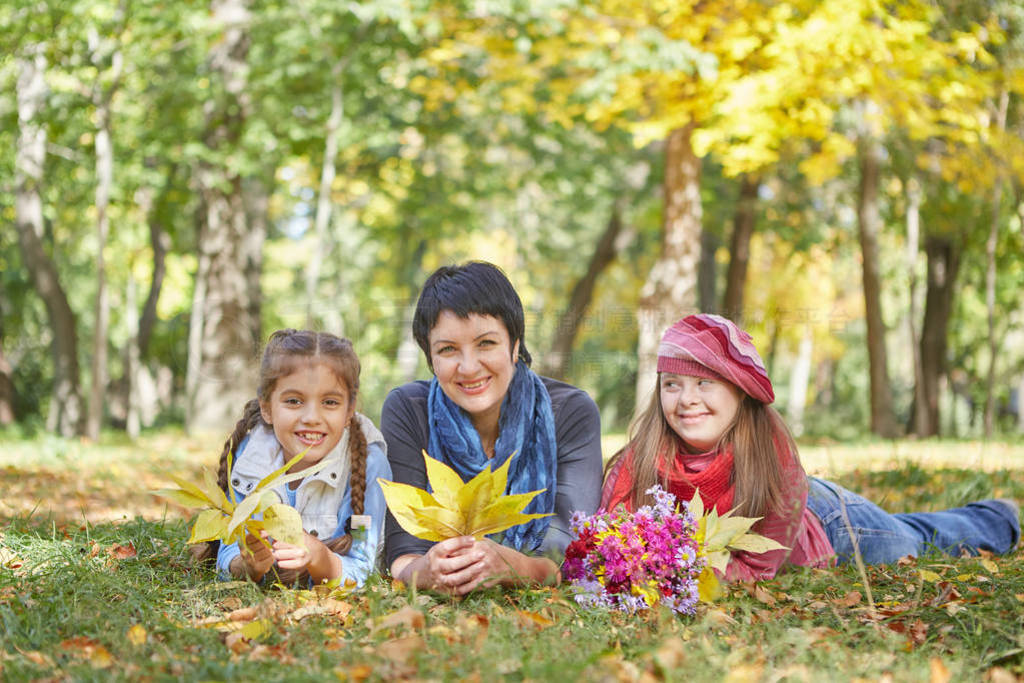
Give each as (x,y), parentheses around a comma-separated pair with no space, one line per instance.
(95,583)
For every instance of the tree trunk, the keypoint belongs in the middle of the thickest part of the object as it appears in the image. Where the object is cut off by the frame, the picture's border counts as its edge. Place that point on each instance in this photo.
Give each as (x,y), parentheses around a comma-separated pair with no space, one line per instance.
(408,356)
(256,202)
(65,413)
(1020,403)
(707,272)
(799,378)
(324,205)
(670,292)
(990,281)
(920,413)
(102,97)
(131,361)
(558,361)
(6,387)
(226,334)
(104,182)
(739,248)
(160,243)
(943,264)
(883,421)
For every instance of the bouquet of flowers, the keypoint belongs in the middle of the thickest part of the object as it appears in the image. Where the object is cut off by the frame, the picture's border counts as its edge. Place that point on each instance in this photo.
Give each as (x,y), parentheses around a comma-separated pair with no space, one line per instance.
(658,554)
(633,561)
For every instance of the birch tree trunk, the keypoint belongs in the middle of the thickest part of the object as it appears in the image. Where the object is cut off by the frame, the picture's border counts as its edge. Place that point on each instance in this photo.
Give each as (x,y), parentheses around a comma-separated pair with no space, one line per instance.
(324,205)
(104,180)
(670,292)
(131,361)
(65,412)
(990,281)
(225,325)
(799,378)
(913,192)
(103,97)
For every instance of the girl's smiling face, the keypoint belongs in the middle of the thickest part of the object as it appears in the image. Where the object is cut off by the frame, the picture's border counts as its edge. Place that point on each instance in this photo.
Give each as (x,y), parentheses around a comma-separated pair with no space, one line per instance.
(698,409)
(308,408)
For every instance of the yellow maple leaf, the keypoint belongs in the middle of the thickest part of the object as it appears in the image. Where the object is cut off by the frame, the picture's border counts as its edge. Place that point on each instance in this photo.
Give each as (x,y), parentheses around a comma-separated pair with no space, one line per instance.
(718,536)
(475,508)
(229,521)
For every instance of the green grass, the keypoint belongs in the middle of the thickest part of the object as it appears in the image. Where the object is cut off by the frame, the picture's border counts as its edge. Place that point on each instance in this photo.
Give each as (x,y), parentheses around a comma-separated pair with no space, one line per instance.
(88,594)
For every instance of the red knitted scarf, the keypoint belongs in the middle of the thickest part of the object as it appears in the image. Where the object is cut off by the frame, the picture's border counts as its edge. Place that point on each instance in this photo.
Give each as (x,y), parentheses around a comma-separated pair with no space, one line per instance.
(716,489)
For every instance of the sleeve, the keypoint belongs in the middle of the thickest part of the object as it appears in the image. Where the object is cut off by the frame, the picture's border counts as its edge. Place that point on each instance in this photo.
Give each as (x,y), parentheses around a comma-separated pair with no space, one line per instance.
(403,422)
(618,487)
(578,474)
(361,559)
(781,525)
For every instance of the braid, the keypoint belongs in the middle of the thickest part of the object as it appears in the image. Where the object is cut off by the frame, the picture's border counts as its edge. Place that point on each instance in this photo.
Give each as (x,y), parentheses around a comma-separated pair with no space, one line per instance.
(357,481)
(357,475)
(250,418)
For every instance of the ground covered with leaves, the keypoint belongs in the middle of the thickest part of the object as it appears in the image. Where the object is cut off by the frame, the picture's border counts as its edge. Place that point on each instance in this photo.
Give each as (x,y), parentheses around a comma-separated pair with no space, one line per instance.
(90,592)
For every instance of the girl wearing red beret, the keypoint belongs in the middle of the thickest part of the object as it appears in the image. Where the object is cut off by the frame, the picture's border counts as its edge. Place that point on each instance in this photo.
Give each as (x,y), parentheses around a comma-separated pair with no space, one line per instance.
(710,427)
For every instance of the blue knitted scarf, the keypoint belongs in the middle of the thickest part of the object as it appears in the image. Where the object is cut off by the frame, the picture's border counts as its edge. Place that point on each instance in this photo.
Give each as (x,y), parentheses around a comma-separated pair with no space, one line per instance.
(526,427)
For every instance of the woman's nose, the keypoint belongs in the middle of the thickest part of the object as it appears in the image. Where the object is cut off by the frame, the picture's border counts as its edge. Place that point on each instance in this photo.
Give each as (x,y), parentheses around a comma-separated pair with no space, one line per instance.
(468,363)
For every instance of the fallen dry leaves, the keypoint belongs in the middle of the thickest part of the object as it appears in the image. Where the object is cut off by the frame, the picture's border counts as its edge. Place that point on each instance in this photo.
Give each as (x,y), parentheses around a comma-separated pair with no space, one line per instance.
(90,649)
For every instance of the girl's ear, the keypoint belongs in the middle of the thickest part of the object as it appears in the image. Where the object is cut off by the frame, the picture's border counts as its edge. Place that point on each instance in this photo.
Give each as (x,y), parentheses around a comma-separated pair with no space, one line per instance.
(515,352)
(265,412)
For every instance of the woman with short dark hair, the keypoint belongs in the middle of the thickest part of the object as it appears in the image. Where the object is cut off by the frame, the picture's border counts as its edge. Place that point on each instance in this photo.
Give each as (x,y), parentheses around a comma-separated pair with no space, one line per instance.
(483,406)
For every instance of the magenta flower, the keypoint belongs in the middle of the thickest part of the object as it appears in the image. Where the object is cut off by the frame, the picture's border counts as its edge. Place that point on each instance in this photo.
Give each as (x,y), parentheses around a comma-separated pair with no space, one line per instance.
(632,561)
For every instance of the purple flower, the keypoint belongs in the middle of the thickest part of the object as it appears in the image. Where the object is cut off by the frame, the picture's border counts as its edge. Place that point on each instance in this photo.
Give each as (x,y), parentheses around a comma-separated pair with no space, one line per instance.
(627,561)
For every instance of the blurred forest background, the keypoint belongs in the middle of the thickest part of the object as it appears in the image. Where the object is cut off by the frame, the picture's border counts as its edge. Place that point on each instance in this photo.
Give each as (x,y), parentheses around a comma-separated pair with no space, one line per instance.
(844,177)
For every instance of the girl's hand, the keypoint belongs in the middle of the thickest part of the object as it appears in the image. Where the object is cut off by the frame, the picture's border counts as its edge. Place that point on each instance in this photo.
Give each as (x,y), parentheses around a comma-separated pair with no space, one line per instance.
(290,556)
(254,557)
(313,557)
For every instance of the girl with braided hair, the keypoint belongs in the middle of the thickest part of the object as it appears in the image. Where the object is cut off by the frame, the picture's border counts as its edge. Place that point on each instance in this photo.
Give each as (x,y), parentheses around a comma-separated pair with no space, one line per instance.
(306,403)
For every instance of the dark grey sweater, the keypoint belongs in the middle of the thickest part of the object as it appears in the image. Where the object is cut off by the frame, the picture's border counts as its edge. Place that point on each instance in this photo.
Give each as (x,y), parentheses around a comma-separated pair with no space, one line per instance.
(578,473)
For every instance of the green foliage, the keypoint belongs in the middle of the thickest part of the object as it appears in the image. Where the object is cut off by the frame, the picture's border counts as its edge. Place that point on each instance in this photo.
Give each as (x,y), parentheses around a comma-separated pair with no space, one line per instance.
(507,131)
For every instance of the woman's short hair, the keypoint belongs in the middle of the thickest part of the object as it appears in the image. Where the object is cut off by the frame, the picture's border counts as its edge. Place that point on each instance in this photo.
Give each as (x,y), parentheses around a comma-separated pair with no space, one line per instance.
(473,287)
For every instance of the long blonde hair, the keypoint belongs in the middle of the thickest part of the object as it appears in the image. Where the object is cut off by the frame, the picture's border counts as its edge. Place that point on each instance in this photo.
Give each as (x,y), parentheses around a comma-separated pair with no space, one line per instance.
(761,443)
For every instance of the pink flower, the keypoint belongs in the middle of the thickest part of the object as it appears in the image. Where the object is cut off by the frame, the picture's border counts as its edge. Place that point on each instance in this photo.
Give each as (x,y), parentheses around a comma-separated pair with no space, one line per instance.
(623,560)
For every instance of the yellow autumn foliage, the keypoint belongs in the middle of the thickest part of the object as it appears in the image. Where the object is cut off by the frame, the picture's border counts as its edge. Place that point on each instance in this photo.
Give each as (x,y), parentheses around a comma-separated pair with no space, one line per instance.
(229,521)
(475,508)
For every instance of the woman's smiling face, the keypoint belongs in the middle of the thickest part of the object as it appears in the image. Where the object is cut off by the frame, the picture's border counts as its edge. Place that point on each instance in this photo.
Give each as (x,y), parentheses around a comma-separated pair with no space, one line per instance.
(473,360)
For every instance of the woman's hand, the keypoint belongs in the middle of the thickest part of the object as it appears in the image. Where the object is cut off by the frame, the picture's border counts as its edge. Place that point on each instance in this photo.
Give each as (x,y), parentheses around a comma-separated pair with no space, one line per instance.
(459,565)
(445,567)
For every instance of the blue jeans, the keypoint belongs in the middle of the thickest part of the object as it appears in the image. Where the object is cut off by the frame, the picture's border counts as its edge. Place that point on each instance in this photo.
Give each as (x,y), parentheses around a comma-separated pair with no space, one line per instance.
(883,537)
